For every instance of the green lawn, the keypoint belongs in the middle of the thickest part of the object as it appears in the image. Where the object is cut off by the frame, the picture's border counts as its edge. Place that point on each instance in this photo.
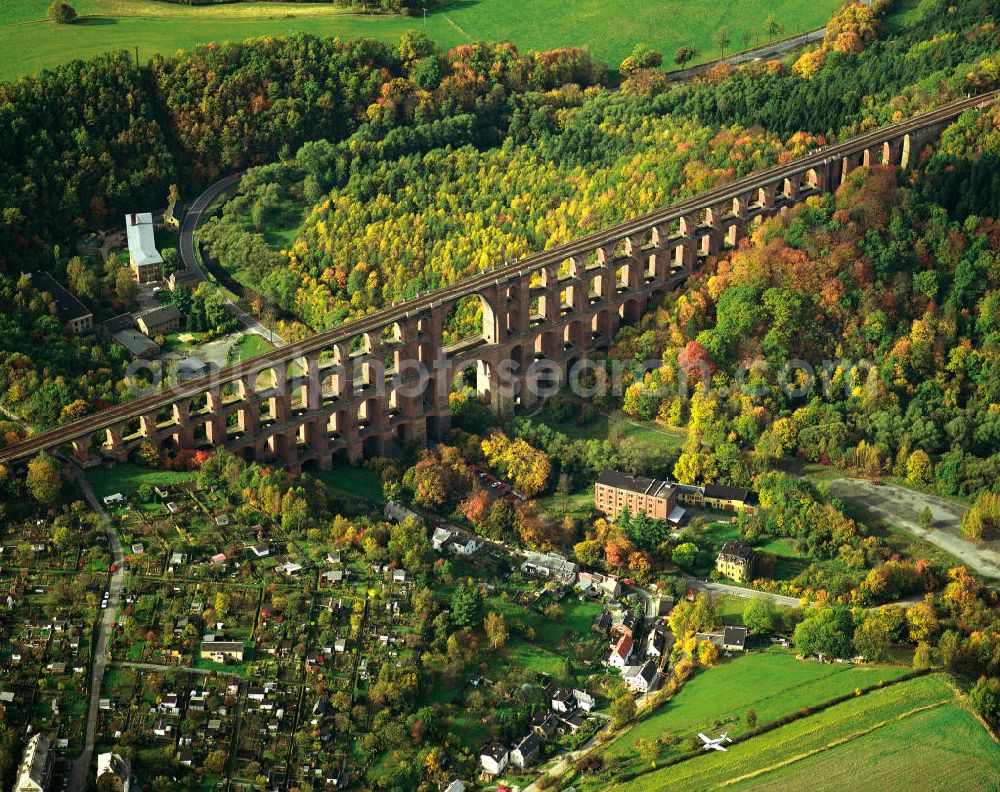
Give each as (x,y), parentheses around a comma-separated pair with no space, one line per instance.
(358,482)
(250,346)
(908,736)
(789,562)
(610,32)
(773,683)
(126,477)
(621,426)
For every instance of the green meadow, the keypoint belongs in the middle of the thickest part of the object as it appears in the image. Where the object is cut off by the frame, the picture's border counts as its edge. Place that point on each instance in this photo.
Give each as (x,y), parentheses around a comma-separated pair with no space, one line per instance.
(610,32)
(914,735)
(772,683)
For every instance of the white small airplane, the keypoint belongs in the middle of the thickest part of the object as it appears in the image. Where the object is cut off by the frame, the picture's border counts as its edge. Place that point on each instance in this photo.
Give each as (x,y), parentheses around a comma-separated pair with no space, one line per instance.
(716,744)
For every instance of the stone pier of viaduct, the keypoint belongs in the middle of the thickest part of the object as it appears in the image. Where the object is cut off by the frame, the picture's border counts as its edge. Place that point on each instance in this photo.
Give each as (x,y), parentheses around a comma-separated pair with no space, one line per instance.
(355,390)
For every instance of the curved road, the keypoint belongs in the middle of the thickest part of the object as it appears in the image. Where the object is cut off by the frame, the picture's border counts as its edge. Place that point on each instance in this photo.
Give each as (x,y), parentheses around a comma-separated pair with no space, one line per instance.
(193,217)
(774,50)
(190,257)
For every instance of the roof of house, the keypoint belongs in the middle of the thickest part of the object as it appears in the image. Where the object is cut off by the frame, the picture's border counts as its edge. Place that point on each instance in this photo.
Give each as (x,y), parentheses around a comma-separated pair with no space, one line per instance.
(575,719)
(734,636)
(648,671)
(623,647)
(727,493)
(739,550)
(529,744)
(654,488)
(33,765)
(221,646)
(161,315)
(138,344)
(495,751)
(112,763)
(67,305)
(141,245)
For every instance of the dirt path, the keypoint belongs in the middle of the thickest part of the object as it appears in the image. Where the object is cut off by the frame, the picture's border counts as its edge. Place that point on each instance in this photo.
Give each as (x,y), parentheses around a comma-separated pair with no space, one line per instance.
(901,506)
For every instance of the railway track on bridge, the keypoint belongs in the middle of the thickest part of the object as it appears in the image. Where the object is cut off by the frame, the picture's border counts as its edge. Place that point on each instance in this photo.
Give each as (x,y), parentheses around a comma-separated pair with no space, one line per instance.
(151,404)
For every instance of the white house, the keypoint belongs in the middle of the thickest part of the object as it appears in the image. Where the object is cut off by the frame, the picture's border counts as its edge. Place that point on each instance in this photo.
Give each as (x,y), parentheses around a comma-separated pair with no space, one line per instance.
(494,759)
(584,700)
(620,654)
(640,678)
(526,752)
(112,766)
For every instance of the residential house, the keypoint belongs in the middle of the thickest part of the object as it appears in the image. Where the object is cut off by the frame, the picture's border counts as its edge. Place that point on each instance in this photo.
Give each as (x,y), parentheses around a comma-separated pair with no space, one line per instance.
(144,258)
(184,277)
(584,700)
(735,561)
(550,565)
(544,724)
(620,654)
(494,759)
(397,512)
(731,639)
(159,321)
(455,542)
(730,499)
(734,639)
(660,605)
(71,312)
(526,752)
(656,643)
(573,723)
(562,700)
(36,765)
(626,626)
(602,623)
(113,772)
(219,650)
(603,584)
(640,678)
(139,346)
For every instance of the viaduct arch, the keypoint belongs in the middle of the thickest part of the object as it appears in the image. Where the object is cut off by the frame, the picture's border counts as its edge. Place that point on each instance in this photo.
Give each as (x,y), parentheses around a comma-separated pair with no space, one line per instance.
(355,390)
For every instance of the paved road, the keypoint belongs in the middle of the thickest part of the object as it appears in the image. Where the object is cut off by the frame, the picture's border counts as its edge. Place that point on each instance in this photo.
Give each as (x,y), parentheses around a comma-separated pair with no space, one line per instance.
(737,591)
(901,506)
(190,257)
(193,217)
(78,774)
(767,52)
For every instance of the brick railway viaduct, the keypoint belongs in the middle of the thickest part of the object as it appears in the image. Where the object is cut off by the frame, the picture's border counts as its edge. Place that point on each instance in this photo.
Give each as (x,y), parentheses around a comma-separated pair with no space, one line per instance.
(353,391)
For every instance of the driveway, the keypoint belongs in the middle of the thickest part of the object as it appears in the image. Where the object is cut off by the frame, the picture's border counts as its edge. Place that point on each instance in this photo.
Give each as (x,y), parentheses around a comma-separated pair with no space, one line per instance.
(901,506)
(78,774)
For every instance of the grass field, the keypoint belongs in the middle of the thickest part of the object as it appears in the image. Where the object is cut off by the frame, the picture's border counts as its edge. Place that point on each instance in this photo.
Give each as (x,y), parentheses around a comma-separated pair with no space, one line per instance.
(773,683)
(610,32)
(126,477)
(250,346)
(913,735)
(357,482)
